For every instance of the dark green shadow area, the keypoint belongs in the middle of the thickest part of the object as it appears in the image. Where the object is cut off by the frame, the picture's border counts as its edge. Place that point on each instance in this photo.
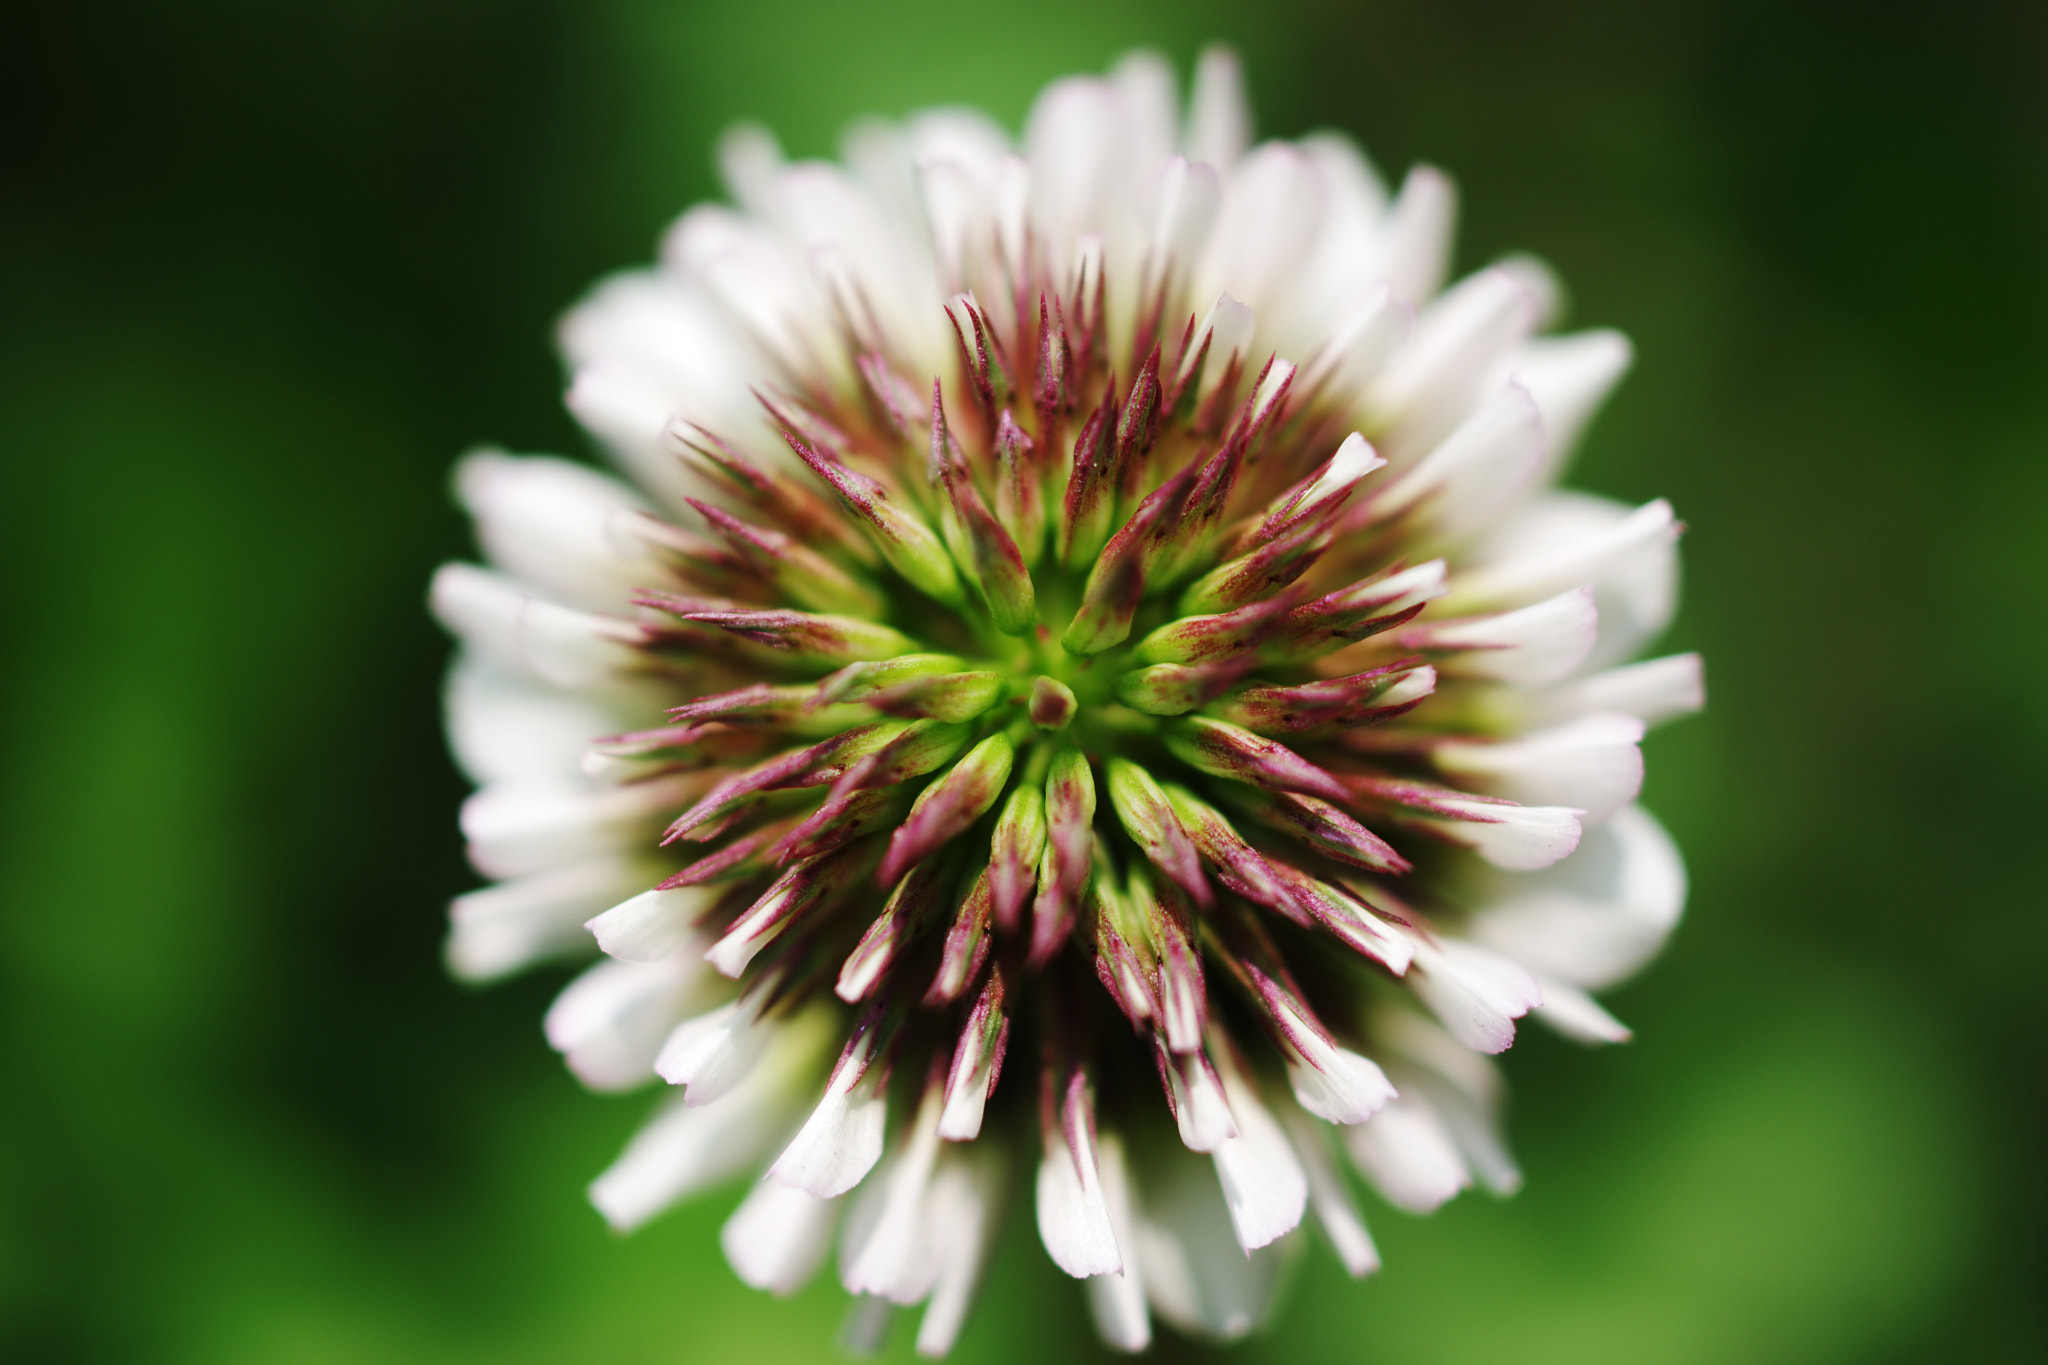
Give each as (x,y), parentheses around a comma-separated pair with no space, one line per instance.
(267,269)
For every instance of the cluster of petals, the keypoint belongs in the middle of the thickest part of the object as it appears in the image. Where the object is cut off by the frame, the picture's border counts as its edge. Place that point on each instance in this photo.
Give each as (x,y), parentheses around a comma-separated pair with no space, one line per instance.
(1087,695)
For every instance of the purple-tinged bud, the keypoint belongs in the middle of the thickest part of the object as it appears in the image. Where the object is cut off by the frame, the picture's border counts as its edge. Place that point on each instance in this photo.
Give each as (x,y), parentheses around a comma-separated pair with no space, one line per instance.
(1182,996)
(826,761)
(1216,351)
(1144,812)
(791,506)
(1224,750)
(982,359)
(897,397)
(673,748)
(840,639)
(1261,573)
(1176,689)
(927,685)
(910,908)
(1361,699)
(742,857)
(966,948)
(1124,961)
(948,806)
(918,748)
(1055,361)
(1069,851)
(1117,582)
(797,891)
(1090,504)
(1345,914)
(1321,826)
(1217,639)
(1237,864)
(1137,427)
(1330,1081)
(1014,851)
(1053,703)
(778,708)
(1020,489)
(1321,494)
(977,1063)
(996,564)
(1364,609)
(912,548)
(791,567)
(839,822)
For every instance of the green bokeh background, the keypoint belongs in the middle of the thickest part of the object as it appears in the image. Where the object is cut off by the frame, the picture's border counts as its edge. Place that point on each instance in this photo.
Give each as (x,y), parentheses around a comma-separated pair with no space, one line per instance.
(268,267)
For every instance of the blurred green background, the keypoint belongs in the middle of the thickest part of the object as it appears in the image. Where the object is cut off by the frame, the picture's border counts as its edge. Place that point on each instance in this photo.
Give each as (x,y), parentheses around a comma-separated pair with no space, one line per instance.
(267,268)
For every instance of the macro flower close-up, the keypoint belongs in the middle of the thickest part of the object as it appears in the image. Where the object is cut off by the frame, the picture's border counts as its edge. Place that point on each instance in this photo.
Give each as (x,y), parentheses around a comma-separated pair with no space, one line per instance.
(1301,684)
(1084,700)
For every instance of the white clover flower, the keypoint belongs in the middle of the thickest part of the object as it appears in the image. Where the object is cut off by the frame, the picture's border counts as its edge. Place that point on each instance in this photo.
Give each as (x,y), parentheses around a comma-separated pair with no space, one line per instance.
(1098,695)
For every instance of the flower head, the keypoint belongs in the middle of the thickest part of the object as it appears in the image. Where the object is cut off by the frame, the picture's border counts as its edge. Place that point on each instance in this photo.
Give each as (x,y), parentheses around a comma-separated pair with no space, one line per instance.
(1096,698)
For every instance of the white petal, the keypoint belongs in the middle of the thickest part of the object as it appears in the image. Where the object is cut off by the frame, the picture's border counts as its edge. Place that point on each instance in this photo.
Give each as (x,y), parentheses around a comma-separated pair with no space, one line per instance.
(517,828)
(609,1022)
(647,347)
(1478,994)
(888,1249)
(1146,84)
(627,411)
(1219,117)
(505,728)
(1342,1087)
(511,925)
(749,159)
(841,1141)
(1629,555)
(653,924)
(558,526)
(530,635)
(1195,1274)
(1518,838)
(1272,209)
(683,1149)
(1653,691)
(1073,1217)
(1413,249)
(1330,1197)
(1343,268)
(1263,1183)
(1581,542)
(1571,376)
(1116,1301)
(1187,201)
(1356,343)
(1433,382)
(1408,1155)
(1200,1108)
(1579,1016)
(778,1237)
(762,290)
(1535,644)
(960,1208)
(1475,474)
(1596,917)
(1463,1090)
(1593,763)
(1072,138)
(714,1052)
